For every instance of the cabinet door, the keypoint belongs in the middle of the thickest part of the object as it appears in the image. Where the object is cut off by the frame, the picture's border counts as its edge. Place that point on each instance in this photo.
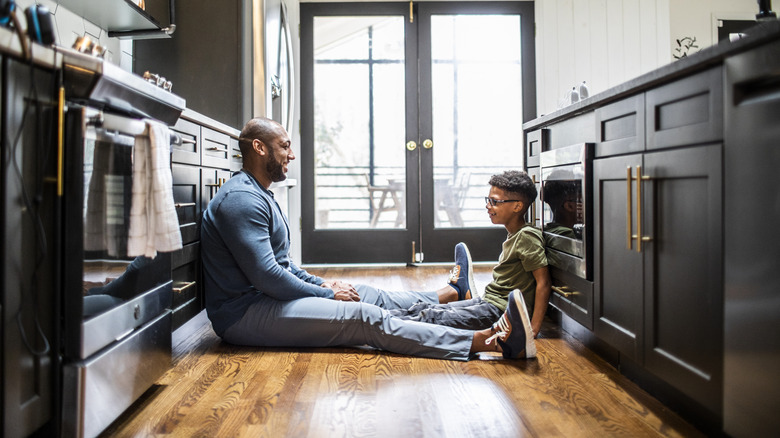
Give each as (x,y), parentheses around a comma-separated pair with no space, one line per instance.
(215,149)
(186,193)
(620,127)
(212,180)
(618,266)
(684,270)
(686,112)
(188,152)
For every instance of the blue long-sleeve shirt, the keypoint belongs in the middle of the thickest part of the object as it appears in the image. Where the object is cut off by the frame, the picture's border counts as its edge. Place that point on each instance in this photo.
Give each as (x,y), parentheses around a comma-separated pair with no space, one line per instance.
(245,245)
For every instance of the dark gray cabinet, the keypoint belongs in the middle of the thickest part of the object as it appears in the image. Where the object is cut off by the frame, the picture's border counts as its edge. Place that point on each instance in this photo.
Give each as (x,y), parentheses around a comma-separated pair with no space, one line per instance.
(659,234)
(200,165)
(29,231)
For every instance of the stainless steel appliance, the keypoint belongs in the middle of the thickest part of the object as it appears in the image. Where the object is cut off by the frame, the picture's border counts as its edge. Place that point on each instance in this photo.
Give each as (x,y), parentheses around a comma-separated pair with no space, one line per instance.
(567,224)
(116,321)
(567,212)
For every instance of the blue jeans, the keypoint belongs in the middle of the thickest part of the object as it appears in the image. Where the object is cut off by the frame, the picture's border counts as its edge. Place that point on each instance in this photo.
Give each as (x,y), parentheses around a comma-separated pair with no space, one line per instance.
(322,322)
(474,314)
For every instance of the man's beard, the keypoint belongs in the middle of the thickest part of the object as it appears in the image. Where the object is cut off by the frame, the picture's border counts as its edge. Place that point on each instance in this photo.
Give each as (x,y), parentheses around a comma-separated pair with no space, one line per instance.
(275,170)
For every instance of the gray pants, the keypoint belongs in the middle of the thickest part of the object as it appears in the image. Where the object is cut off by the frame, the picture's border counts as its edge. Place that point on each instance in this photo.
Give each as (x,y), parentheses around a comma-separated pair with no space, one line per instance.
(321,322)
(474,314)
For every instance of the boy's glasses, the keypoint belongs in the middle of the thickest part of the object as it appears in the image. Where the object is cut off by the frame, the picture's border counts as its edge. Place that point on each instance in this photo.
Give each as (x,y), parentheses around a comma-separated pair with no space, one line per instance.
(494,202)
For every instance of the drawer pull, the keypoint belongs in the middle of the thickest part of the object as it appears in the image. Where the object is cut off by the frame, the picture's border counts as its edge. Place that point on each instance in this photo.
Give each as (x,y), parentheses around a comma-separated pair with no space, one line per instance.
(181,286)
(189,140)
(214,148)
(237,156)
(564,291)
(184,204)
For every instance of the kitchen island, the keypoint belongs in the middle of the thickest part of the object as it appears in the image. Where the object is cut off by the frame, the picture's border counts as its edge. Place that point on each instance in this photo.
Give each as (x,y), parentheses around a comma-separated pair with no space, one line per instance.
(681,290)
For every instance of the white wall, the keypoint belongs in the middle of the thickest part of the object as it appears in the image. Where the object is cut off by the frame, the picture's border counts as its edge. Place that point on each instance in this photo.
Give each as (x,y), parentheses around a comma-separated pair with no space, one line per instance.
(69,26)
(608,42)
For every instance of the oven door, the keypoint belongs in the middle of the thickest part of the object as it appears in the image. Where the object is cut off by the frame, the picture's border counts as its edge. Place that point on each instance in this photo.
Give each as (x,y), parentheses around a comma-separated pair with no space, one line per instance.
(566,196)
(107,295)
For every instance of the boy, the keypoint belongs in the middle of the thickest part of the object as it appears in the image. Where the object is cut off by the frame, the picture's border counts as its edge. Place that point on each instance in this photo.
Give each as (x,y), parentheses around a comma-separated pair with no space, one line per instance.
(521,265)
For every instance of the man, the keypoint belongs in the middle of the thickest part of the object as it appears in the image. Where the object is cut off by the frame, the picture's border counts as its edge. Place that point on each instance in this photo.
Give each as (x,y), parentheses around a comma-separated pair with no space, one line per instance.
(256,295)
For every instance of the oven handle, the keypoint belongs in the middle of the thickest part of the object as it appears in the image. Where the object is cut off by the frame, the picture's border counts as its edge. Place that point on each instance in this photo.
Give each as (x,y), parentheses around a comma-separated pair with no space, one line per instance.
(122,125)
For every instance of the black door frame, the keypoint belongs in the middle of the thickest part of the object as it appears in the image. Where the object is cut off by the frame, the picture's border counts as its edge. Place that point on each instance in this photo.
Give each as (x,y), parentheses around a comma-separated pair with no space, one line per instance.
(420,235)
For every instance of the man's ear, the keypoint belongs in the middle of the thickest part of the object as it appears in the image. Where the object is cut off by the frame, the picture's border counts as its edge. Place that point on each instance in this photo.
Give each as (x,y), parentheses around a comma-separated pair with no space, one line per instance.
(259,146)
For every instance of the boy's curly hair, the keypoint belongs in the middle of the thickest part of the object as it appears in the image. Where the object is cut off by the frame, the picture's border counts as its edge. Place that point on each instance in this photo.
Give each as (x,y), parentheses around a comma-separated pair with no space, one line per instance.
(516,181)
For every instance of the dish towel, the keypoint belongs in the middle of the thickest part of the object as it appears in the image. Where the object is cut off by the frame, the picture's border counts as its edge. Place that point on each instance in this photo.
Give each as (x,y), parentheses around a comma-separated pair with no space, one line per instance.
(153,223)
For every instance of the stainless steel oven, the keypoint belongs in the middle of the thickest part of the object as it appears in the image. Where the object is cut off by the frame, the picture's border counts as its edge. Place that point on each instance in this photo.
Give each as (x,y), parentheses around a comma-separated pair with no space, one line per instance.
(567,207)
(567,224)
(116,317)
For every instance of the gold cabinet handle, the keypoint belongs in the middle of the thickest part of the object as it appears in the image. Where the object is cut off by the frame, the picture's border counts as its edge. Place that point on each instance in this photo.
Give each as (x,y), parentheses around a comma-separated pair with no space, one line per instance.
(60,141)
(181,286)
(564,291)
(629,226)
(184,204)
(428,143)
(639,237)
(411,145)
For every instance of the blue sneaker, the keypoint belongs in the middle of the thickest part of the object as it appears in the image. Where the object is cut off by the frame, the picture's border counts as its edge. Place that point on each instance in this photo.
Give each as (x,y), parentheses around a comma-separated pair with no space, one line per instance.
(513,330)
(462,275)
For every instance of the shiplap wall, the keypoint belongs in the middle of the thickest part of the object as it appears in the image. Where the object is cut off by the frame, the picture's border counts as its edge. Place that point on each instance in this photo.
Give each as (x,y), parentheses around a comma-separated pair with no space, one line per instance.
(608,42)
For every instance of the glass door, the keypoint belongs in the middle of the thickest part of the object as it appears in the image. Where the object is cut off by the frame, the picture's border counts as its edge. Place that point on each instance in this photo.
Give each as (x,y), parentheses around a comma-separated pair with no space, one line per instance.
(404,120)
(476,82)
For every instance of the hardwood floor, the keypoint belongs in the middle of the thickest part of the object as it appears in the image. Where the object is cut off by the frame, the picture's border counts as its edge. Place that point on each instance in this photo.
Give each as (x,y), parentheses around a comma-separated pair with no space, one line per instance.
(215,389)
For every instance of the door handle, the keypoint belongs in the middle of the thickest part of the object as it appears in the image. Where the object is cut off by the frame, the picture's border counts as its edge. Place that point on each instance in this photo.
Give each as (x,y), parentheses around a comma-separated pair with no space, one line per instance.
(411,145)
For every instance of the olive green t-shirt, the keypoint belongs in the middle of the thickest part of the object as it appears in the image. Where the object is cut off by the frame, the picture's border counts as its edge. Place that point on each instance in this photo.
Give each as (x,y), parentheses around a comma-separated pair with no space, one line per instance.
(521,254)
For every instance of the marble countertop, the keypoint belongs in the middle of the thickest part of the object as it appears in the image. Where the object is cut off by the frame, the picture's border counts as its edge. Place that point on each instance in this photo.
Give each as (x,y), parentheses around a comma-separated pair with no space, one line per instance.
(708,57)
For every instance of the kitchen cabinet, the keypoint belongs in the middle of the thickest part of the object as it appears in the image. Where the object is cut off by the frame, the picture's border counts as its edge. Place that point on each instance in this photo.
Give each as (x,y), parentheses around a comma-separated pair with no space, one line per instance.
(124,18)
(199,167)
(658,217)
(659,298)
(29,297)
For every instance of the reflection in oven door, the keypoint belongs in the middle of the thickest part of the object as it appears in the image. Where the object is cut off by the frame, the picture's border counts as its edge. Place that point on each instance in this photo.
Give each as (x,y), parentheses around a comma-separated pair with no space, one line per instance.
(113,304)
(566,194)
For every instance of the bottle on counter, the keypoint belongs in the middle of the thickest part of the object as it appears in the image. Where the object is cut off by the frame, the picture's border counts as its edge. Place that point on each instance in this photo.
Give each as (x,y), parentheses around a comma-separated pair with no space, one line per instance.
(584,90)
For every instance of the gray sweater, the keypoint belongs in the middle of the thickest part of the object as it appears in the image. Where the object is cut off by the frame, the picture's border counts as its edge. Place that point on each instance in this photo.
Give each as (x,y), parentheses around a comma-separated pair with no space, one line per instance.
(245,245)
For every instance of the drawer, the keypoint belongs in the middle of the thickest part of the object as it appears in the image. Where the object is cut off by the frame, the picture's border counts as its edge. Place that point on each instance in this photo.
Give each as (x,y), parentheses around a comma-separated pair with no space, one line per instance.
(189,151)
(236,162)
(215,149)
(573,296)
(686,112)
(620,127)
(185,312)
(187,254)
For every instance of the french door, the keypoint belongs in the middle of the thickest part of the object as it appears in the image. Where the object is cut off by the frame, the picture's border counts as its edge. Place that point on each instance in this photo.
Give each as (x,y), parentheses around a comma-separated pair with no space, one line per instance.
(407,110)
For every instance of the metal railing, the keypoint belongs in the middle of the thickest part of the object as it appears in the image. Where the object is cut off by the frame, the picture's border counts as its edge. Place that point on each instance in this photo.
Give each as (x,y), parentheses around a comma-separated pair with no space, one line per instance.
(342,196)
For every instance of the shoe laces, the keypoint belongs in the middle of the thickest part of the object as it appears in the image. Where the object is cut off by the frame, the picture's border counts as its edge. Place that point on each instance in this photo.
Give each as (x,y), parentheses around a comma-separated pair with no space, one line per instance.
(455,274)
(502,328)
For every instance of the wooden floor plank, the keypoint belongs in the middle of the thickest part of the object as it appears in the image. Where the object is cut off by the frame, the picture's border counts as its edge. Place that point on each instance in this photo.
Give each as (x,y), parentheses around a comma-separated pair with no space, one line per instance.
(215,389)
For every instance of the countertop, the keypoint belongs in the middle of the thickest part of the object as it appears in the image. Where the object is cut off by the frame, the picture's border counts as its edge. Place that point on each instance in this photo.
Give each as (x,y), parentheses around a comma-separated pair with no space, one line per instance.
(710,56)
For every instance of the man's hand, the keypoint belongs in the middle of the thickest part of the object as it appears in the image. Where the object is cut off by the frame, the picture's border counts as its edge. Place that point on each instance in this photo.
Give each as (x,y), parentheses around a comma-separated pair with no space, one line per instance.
(342,291)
